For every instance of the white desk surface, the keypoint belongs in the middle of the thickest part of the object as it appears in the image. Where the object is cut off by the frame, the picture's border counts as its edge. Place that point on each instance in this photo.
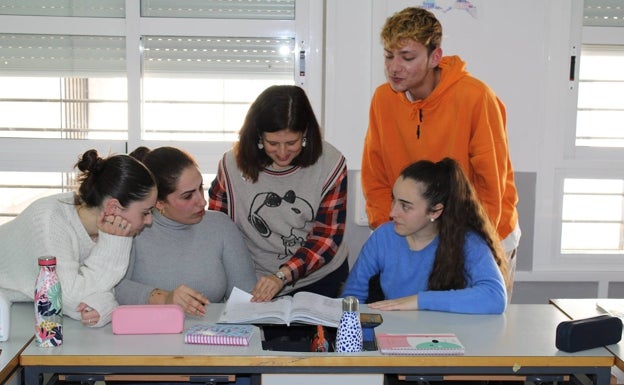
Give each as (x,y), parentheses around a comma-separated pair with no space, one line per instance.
(577,308)
(22,330)
(523,336)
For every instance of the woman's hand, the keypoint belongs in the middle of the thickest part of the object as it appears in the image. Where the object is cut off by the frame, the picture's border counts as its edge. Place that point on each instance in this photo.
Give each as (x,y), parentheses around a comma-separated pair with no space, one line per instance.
(266,288)
(190,300)
(404,303)
(114,225)
(89,316)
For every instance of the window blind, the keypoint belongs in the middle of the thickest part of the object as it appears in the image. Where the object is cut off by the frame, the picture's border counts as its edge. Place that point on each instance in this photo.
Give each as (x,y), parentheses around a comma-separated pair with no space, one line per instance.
(218,55)
(66,8)
(220,9)
(603,13)
(211,9)
(59,55)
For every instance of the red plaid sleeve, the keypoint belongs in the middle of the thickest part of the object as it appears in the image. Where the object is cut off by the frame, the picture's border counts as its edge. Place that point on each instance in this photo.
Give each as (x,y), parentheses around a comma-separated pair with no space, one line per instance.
(327,233)
(217,196)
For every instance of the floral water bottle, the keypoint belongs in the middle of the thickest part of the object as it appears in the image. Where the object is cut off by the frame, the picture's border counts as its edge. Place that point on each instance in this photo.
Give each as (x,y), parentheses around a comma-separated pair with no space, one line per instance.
(349,333)
(48,305)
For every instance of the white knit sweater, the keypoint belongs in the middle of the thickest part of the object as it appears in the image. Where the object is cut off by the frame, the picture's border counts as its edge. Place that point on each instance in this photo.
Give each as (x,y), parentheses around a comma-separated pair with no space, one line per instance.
(88,270)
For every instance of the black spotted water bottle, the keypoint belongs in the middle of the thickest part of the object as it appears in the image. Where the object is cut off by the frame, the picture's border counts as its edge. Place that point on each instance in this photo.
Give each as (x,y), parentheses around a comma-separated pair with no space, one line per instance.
(349,333)
(48,305)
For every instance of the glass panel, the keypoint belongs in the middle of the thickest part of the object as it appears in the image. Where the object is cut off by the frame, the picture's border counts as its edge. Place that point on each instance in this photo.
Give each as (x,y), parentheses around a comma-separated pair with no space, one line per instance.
(220,9)
(20,189)
(65,108)
(201,88)
(601,95)
(601,62)
(592,216)
(592,207)
(76,8)
(605,125)
(600,109)
(580,185)
(57,86)
(591,238)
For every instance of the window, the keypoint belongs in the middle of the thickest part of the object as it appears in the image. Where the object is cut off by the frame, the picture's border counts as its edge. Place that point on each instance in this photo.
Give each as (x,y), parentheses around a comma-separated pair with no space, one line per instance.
(600,110)
(19,189)
(592,216)
(600,105)
(117,74)
(592,210)
(62,86)
(199,88)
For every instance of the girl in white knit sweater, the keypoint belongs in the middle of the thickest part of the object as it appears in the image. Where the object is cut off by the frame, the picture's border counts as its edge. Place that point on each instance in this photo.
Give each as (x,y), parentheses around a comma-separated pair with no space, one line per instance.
(89,232)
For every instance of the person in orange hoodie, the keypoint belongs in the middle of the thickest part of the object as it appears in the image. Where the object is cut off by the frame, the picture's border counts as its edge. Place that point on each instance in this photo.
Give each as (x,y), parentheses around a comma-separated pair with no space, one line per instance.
(432,108)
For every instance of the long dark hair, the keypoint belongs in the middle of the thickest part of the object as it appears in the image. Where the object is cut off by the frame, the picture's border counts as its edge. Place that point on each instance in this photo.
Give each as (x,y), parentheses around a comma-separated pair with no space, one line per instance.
(167,164)
(445,183)
(119,176)
(277,108)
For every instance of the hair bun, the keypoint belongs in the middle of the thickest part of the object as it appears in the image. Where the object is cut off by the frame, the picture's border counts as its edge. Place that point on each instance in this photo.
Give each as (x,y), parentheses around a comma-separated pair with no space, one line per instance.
(90,161)
(140,153)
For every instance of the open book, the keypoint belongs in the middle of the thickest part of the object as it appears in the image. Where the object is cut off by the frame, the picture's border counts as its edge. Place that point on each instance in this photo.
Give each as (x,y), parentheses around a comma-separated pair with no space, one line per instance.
(303,307)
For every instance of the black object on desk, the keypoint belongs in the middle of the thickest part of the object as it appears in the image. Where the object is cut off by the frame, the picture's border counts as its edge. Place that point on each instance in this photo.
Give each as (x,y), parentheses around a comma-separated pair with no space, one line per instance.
(588,333)
(298,338)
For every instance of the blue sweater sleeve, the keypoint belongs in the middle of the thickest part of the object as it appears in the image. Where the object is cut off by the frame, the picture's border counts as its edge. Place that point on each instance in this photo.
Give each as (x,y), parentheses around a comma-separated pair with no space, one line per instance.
(365,267)
(485,292)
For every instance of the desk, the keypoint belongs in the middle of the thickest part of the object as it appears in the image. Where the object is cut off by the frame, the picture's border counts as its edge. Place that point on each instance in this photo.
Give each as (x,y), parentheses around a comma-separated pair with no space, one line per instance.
(22,331)
(520,342)
(584,308)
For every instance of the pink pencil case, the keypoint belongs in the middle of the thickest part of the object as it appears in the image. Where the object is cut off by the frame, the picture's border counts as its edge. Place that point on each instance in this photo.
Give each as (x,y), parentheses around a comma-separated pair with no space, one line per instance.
(148,319)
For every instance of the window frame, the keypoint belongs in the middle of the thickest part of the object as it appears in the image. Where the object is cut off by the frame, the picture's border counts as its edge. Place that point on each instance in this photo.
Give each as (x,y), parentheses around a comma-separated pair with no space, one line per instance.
(581,162)
(20,154)
(590,36)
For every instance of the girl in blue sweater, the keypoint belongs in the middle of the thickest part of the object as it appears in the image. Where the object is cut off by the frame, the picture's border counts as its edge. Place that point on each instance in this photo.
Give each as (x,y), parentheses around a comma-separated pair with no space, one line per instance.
(439,252)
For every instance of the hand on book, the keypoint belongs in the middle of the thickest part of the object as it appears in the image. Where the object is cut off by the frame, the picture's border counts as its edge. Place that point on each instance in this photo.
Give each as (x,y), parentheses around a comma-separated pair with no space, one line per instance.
(266,288)
(404,303)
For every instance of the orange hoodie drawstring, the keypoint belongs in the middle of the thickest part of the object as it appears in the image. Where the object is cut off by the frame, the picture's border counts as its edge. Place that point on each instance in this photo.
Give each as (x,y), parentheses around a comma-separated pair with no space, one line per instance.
(419,122)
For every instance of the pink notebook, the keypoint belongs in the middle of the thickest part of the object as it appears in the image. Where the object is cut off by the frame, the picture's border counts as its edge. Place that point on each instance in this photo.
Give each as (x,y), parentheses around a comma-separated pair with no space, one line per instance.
(148,319)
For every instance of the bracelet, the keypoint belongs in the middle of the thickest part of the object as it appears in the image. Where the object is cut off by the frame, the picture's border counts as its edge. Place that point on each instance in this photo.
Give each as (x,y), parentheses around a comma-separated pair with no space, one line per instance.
(156,293)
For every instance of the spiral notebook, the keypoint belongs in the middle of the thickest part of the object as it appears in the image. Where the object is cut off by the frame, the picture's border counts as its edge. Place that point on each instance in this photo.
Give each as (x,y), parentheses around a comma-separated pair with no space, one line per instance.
(219,334)
(420,344)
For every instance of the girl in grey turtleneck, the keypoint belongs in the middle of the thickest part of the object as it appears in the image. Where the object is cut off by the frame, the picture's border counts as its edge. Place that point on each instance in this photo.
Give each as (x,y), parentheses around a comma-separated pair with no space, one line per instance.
(189,256)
